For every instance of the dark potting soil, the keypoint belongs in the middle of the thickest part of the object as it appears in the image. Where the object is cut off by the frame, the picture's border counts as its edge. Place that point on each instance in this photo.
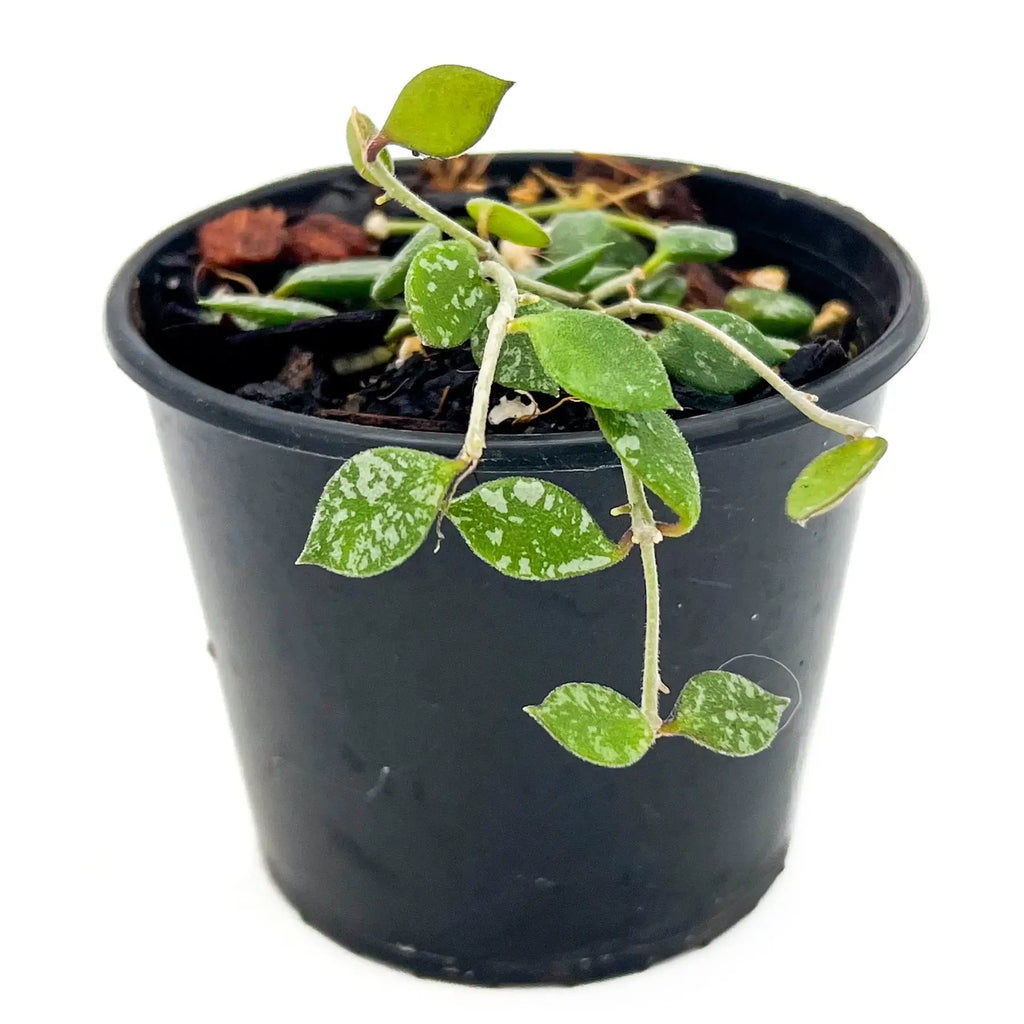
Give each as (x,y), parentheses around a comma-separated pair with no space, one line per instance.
(292,367)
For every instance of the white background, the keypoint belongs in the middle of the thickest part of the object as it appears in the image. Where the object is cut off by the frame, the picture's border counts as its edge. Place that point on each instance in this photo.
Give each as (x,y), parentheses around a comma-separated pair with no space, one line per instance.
(131,885)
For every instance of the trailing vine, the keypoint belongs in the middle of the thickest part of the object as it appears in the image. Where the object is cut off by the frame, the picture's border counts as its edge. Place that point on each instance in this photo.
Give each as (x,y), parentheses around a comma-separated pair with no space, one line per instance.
(565,326)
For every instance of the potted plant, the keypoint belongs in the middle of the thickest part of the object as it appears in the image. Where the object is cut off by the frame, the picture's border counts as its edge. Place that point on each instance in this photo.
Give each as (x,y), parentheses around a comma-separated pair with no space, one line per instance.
(405,804)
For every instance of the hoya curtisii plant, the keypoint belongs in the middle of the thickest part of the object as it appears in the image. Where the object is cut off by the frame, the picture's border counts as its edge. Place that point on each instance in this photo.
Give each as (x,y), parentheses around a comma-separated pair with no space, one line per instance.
(564,328)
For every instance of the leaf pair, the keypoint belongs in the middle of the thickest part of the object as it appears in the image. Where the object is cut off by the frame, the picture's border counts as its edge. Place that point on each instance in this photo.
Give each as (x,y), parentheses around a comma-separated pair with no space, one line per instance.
(377,509)
(299,296)
(722,711)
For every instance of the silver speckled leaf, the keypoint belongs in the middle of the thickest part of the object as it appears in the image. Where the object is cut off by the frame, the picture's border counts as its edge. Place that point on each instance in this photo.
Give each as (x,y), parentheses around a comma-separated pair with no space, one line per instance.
(376,510)
(532,529)
(595,723)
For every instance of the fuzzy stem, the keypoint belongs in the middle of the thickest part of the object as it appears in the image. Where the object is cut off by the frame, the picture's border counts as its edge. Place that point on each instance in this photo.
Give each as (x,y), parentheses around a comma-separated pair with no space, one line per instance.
(497,325)
(645,536)
(397,191)
(801,400)
(616,285)
(549,291)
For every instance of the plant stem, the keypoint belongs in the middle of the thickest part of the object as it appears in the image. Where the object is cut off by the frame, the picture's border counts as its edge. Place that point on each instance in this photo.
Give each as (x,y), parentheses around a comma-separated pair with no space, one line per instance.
(549,291)
(497,325)
(645,536)
(801,400)
(397,191)
(616,285)
(635,225)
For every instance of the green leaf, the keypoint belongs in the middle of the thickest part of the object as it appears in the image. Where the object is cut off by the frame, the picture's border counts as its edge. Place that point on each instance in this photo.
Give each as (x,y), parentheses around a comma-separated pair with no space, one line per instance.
(595,723)
(779,313)
(445,293)
(599,359)
(650,444)
(569,272)
(358,132)
(691,243)
(392,279)
(694,357)
(376,510)
(572,233)
(266,310)
(444,110)
(532,530)
(518,364)
(507,222)
(726,713)
(348,281)
(831,476)
(666,286)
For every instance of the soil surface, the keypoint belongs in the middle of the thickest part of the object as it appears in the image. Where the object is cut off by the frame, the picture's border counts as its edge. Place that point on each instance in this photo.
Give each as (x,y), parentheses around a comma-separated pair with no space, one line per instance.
(292,367)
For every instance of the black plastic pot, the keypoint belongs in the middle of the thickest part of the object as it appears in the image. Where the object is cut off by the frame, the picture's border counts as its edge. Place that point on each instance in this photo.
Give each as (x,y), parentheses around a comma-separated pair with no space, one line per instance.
(405,804)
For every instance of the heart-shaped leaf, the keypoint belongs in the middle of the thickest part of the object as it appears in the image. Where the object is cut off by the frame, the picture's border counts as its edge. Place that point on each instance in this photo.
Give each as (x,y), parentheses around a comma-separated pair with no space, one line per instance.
(691,243)
(358,133)
(518,364)
(595,723)
(573,232)
(265,310)
(831,476)
(392,279)
(349,281)
(726,713)
(569,272)
(779,313)
(650,444)
(377,509)
(445,293)
(494,218)
(599,359)
(694,357)
(532,529)
(444,110)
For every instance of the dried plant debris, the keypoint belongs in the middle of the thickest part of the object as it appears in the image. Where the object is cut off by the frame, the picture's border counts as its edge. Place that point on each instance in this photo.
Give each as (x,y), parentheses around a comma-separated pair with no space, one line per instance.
(467,173)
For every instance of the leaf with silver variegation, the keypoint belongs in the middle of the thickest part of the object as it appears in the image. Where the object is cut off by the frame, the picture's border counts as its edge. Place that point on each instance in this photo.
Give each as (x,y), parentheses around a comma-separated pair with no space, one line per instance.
(377,509)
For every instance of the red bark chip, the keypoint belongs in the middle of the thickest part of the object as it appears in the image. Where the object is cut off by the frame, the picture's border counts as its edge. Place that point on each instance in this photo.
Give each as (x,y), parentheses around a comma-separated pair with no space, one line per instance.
(326,238)
(248,235)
